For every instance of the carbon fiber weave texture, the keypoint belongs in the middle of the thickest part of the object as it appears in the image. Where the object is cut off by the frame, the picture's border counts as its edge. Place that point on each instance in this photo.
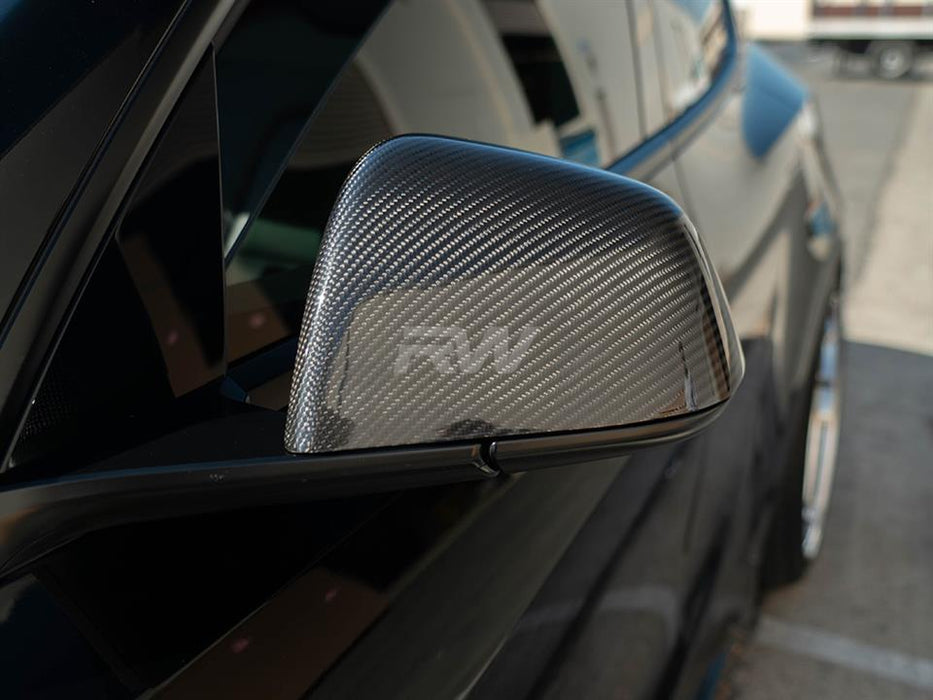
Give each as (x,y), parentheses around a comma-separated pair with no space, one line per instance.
(466,290)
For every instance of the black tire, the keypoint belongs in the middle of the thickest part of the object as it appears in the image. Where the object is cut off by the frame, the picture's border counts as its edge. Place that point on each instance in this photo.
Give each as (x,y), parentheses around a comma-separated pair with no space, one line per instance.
(892,59)
(784,561)
(792,541)
(840,61)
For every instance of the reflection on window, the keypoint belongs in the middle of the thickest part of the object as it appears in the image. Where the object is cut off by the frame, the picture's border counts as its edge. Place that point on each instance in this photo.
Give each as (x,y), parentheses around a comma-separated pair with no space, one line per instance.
(270,268)
(646,42)
(694,37)
(543,77)
(484,70)
(537,61)
(540,68)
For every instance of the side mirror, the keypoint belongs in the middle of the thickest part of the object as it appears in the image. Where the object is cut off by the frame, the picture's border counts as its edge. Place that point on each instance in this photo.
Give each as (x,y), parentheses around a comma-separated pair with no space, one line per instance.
(474,309)
(470,292)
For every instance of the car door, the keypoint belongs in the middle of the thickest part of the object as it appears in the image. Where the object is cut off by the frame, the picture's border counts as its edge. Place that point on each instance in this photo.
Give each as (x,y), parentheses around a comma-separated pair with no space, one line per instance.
(661,613)
(188,316)
(583,578)
(749,190)
(532,75)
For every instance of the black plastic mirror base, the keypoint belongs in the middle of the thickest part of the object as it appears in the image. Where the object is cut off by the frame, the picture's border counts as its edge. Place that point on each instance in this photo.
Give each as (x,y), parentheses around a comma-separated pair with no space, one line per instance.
(525,454)
(484,292)
(37,518)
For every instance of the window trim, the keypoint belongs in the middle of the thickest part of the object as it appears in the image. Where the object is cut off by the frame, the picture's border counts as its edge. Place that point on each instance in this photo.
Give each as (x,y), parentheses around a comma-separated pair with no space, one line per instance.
(648,156)
(60,272)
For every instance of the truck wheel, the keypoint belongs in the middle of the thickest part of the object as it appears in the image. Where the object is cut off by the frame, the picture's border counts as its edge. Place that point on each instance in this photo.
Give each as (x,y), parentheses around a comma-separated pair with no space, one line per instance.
(892,59)
(840,61)
(797,529)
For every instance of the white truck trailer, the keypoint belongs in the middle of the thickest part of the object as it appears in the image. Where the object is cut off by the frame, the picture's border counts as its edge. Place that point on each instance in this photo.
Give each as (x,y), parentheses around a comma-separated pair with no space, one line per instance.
(891,33)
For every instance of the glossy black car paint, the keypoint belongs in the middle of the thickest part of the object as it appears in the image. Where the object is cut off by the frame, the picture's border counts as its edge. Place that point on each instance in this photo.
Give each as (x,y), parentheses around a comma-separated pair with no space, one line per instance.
(617,575)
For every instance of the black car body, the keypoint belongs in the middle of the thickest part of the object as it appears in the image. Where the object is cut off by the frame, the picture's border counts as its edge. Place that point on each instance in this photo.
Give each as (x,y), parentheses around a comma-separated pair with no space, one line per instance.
(167,172)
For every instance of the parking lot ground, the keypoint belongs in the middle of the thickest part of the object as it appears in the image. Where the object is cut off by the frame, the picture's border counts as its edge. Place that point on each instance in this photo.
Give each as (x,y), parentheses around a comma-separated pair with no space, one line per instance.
(860,623)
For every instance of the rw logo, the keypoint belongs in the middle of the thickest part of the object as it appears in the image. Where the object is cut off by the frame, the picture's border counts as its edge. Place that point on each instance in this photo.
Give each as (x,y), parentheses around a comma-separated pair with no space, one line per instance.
(449,349)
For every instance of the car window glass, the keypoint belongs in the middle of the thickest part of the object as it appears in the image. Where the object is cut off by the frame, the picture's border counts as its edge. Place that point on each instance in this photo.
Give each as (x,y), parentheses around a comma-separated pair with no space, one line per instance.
(645,39)
(531,75)
(537,61)
(693,38)
(148,331)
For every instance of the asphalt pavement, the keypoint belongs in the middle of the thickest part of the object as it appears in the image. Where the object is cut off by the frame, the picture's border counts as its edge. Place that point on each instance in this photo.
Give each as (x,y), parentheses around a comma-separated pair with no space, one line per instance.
(860,623)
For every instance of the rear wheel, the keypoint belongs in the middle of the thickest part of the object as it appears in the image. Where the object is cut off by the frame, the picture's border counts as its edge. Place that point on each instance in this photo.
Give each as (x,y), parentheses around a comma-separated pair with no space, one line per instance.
(892,59)
(798,527)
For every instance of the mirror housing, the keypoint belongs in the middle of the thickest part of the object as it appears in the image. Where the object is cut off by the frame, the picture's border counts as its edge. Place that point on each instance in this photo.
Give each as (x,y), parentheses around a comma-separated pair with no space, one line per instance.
(467,291)
(475,310)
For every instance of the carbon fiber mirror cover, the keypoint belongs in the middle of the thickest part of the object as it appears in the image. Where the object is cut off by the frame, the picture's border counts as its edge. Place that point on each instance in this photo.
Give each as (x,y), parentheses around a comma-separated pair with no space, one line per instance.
(466,290)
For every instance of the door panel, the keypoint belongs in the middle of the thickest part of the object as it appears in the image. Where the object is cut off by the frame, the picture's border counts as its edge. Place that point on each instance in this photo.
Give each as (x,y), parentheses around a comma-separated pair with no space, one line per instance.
(450,617)
(587,579)
(631,627)
(751,208)
(536,646)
